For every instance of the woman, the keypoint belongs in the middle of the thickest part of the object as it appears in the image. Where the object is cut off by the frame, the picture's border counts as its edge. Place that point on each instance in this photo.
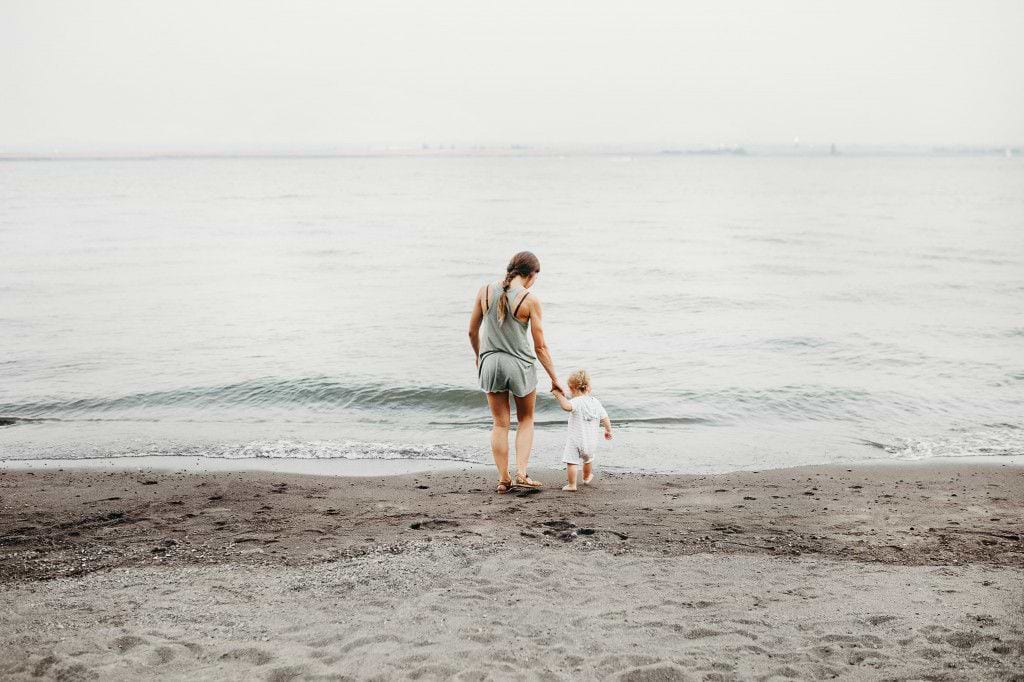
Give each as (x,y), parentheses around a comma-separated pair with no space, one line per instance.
(506,363)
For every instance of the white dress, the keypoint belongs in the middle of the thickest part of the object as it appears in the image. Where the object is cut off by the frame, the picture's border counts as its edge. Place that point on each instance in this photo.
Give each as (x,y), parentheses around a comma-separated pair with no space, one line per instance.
(584,429)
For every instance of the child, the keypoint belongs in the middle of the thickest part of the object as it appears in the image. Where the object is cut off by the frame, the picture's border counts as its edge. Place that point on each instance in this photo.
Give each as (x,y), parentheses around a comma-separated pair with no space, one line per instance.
(588,415)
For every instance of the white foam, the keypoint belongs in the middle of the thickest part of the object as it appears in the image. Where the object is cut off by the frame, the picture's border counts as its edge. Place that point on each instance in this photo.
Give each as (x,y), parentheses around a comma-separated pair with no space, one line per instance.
(987,443)
(327,449)
(316,467)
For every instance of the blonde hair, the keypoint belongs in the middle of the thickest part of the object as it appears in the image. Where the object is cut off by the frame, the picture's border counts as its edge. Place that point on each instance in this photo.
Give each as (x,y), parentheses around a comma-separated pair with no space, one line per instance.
(579,381)
(522,264)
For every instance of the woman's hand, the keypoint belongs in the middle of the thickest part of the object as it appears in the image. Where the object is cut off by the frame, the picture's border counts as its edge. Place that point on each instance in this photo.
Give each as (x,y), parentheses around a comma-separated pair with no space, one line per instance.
(557,386)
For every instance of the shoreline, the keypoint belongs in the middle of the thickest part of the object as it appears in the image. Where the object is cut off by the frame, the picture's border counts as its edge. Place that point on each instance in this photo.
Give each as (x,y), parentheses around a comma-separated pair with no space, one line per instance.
(911,571)
(281,465)
(399,466)
(921,511)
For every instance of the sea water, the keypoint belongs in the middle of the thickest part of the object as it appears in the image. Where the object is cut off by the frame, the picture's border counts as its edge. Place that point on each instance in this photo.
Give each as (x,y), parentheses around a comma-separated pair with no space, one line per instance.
(734,312)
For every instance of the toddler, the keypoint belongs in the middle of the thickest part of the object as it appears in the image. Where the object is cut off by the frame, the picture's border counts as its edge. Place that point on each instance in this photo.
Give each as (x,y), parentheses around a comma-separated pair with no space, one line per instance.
(585,422)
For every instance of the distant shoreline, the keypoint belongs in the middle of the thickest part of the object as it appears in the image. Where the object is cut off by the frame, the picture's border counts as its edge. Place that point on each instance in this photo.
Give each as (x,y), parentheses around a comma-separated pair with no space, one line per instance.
(516,151)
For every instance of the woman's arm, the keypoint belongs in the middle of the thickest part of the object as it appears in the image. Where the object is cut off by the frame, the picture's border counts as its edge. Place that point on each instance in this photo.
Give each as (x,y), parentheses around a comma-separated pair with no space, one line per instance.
(476,318)
(539,345)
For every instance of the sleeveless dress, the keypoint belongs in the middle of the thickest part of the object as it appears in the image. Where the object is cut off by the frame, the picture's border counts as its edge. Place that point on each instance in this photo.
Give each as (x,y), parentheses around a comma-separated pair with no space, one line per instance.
(507,360)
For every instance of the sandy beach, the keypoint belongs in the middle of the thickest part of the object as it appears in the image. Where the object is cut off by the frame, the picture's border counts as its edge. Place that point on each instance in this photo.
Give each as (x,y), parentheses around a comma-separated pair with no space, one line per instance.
(885,572)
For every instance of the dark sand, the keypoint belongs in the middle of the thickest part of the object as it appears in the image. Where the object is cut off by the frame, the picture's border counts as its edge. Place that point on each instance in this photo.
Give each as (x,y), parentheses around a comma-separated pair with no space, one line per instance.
(888,572)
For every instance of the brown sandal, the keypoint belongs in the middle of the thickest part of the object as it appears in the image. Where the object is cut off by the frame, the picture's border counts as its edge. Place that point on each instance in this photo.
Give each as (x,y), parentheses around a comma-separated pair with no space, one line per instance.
(525,481)
(503,487)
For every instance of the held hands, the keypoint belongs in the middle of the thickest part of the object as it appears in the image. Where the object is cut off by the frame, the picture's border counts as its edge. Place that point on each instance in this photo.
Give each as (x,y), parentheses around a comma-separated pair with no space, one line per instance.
(607,435)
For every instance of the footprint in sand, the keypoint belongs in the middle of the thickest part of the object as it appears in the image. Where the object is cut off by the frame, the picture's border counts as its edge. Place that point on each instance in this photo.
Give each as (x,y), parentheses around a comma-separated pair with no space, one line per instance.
(966,640)
(43,665)
(250,655)
(701,633)
(563,530)
(76,673)
(659,672)
(525,492)
(433,524)
(567,531)
(787,671)
(285,674)
(559,525)
(126,643)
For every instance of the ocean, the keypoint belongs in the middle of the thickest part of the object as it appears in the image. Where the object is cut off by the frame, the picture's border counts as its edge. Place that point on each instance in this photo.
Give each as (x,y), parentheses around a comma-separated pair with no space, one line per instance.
(734,312)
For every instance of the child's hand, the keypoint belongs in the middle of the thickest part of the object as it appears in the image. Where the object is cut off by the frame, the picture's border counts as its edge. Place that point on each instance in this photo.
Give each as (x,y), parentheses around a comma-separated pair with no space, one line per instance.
(607,435)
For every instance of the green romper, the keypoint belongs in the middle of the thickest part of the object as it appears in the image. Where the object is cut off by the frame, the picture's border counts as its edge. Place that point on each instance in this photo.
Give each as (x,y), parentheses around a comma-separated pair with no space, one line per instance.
(507,361)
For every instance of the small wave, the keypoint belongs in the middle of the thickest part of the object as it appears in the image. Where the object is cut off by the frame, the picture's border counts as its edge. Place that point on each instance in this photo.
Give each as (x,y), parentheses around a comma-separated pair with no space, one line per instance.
(271,397)
(1005,425)
(797,342)
(12,421)
(314,397)
(265,392)
(666,420)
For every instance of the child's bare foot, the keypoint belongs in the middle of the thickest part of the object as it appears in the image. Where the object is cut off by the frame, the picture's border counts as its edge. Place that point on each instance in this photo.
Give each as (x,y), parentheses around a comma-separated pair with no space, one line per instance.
(588,479)
(569,488)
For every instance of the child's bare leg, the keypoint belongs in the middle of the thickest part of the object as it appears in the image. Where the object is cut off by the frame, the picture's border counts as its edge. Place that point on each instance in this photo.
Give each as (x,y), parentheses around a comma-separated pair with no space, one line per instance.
(570,472)
(588,472)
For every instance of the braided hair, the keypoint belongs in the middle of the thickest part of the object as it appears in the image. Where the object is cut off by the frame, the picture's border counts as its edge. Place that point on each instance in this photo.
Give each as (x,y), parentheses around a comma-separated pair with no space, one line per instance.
(523,264)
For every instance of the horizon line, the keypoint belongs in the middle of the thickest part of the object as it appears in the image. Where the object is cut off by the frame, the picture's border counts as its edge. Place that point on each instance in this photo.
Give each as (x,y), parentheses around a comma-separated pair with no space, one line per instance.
(525,150)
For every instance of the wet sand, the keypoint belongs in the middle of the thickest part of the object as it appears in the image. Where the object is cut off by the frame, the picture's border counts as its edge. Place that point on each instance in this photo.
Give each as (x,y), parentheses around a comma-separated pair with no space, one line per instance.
(888,572)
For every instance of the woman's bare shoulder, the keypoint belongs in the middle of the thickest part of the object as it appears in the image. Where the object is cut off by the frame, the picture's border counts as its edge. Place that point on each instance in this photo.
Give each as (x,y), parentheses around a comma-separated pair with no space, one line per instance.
(529,306)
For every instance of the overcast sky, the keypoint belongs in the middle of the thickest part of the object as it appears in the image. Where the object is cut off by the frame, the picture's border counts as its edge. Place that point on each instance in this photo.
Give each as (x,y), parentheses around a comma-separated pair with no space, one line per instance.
(246,74)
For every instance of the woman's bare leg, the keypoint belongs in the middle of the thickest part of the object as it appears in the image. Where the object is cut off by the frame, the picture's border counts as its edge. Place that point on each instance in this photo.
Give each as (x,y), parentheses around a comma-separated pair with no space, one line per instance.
(501,413)
(524,431)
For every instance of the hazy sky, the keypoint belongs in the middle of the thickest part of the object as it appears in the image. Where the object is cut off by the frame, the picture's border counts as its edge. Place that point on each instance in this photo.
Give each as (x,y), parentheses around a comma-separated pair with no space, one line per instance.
(245,74)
